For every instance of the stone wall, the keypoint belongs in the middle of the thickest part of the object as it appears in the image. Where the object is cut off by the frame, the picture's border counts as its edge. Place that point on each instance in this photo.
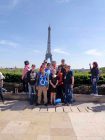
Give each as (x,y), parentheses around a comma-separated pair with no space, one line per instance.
(83,89)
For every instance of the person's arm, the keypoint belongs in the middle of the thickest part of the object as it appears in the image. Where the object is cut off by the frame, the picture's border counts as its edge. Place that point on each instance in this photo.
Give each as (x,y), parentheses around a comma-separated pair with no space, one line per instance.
(98,72)
(48,79)
(72,80)
(37,79)
(1,83)
(51,83)
(28,76)
(90,68)
(3,77)
(56,83)
(23,74)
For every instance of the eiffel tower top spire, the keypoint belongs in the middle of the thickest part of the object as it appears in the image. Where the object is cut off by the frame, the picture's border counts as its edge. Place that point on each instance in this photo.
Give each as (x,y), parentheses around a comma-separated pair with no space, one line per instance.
(48,52)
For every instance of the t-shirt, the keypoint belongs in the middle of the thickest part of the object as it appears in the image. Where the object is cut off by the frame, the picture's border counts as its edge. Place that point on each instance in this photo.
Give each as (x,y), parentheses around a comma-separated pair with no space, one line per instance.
(54,79)
(25,71)
(94,72)
(42,80)
(48,72)
(68,77)
(63,70)
(60,78)
(31,76)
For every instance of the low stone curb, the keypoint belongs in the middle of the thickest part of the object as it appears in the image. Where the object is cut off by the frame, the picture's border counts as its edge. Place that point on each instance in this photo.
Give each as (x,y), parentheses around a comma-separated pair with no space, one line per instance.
(89,98)
(77,97)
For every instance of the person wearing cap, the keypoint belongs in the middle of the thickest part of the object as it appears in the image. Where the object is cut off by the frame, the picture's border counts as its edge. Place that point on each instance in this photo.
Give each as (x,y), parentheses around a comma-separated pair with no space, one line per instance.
(69,83)
(1,86)
(32,78)
(24,76)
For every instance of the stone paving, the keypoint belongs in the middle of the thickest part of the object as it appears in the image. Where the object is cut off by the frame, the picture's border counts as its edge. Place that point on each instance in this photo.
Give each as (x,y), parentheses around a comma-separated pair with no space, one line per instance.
(79,121)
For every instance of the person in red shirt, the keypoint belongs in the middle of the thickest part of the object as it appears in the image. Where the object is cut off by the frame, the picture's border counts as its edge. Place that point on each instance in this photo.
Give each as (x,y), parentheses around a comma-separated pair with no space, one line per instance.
(60,93)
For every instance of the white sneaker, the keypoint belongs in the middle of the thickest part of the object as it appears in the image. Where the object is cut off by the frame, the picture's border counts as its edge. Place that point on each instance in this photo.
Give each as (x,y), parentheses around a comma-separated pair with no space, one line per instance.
(96,95)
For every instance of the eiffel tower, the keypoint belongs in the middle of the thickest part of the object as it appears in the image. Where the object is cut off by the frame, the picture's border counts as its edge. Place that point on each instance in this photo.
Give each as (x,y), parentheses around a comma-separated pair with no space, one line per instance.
(48,52)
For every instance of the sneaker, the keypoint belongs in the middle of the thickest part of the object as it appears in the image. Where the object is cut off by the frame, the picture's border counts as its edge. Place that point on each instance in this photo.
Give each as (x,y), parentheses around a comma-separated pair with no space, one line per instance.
(92,94)
(96,95)
(45,104)
(66,104)
(37,104)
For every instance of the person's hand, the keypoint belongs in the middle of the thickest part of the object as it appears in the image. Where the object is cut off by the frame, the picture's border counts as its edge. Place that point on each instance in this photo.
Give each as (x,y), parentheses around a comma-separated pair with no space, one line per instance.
(94,80)
(37,88)
(72,86)
(53,86)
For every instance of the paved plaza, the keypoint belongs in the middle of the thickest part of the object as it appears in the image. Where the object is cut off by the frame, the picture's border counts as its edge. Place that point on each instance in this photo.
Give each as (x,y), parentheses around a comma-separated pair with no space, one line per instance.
(80,121)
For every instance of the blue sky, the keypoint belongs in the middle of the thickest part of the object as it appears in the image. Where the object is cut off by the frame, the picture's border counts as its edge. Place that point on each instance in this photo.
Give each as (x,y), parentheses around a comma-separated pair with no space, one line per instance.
(77,31)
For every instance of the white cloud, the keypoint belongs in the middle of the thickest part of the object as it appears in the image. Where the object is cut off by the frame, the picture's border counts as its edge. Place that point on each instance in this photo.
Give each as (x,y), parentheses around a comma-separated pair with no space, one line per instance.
(94,52)
(8,43)
(60,51)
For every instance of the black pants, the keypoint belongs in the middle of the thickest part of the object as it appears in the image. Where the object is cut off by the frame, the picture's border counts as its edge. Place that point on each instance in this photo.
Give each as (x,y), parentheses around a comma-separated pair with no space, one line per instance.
(25,85)
(1,95)
(60,92)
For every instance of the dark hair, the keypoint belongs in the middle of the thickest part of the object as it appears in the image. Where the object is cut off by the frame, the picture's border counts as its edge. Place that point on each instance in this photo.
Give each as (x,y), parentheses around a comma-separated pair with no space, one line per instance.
(48,64)
(63,60)
(26,62)
(59,67)
(42,64)
(33,65)
(95,64)
(45,61)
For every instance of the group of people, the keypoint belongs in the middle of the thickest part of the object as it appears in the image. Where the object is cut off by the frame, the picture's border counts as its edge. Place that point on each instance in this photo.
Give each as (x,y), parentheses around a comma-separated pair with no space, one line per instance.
(54,82)
(51,82)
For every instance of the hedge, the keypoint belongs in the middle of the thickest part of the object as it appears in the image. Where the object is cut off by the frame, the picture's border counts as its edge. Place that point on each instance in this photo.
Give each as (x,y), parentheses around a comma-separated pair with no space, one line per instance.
(15,78)
(80,79)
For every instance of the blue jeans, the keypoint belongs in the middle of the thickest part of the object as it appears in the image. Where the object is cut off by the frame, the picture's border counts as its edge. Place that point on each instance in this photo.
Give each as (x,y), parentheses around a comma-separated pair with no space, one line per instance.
(1,95)
(94,85)
(32,94)
(31,89)
(68,93)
